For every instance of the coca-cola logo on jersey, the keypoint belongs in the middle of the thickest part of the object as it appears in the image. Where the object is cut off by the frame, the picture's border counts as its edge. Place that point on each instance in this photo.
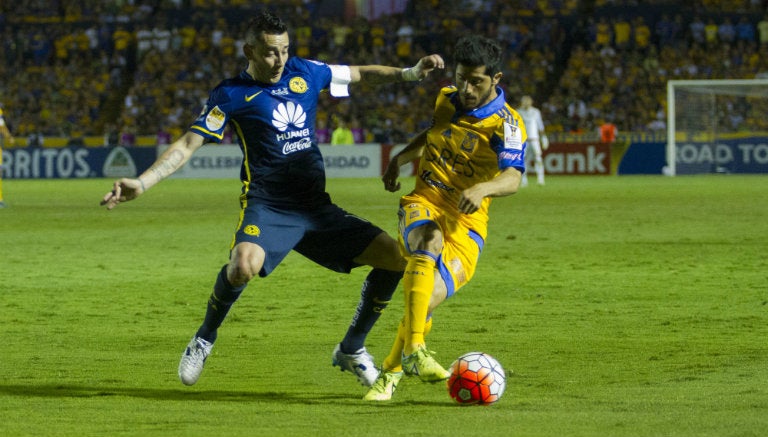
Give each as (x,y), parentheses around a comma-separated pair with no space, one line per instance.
(302,144)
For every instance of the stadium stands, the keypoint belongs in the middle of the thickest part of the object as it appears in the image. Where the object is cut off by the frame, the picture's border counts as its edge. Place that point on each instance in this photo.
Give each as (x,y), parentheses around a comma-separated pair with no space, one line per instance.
(74,69)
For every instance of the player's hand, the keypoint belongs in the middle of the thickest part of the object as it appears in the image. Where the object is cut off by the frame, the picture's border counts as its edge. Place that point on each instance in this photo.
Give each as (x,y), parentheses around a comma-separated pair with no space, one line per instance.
(471,200)
(390,176)
(123,190)
(544,142)
(427,64)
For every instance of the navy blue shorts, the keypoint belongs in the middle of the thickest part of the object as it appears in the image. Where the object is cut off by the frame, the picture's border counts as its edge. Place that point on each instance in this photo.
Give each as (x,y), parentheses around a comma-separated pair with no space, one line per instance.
(327,235)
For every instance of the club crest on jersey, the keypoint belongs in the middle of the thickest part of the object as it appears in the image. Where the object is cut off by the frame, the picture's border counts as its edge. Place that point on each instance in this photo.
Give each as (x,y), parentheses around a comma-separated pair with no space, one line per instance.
(469,142)
(215,119)
(252,230)
(298,85)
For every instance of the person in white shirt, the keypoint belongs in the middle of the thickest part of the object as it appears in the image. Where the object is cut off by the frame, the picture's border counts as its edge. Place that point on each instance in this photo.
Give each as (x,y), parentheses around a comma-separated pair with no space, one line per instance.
(537,137)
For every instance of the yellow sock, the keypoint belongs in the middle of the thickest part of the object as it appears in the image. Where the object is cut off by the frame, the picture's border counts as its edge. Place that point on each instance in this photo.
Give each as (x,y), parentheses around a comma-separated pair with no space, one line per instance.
(418,282)
(393,362)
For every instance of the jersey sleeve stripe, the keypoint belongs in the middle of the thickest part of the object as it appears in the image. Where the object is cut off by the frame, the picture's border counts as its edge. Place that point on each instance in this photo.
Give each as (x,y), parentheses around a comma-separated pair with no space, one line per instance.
(207,132)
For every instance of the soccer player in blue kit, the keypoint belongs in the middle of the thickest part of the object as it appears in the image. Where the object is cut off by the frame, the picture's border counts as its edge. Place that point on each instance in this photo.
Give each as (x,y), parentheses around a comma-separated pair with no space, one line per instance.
(271,106)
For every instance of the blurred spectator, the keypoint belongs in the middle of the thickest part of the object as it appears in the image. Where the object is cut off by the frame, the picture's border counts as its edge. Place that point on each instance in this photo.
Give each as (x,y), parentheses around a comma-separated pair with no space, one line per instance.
(697,30)
(35,139)
(127,136)
(111,136)
(603,32)
(608,132)
(358,132)
(657,125)
(762,28)
(622,31)
(710,32)
(342,135)
(144,40)
(642,34)
(664,31)
(745,31)
(164,137)
(726,32)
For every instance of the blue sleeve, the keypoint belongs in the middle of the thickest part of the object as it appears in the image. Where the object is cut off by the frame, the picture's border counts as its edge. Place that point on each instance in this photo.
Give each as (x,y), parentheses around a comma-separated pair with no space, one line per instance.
(319,72)
(213,119)
(509,148)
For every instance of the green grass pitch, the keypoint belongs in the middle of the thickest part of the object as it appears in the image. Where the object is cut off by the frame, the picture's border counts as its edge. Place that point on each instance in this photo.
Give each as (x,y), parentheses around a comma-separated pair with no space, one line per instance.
(620,306)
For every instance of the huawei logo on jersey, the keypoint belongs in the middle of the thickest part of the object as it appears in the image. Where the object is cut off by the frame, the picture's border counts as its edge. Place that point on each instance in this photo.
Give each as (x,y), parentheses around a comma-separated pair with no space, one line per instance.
(291,115)
(287,114)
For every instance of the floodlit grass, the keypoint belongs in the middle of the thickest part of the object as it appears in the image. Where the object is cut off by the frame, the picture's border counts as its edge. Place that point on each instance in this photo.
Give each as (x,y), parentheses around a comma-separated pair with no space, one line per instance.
(620,306)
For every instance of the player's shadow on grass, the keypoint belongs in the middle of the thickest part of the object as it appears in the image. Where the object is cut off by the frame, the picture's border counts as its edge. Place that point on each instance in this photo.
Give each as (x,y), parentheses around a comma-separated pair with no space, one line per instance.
(168,394)
(81,391)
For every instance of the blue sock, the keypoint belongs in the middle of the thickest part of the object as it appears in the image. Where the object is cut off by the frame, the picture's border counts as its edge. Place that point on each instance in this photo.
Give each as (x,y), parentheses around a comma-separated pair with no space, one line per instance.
(376,293)
(219,303)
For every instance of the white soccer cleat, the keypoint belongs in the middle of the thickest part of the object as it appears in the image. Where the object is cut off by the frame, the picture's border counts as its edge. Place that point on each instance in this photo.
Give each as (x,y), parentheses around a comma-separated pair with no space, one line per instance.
(360,363)
(193,360)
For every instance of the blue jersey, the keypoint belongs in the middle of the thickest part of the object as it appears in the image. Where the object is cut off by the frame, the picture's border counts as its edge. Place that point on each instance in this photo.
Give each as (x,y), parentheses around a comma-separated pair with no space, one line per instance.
(275,127)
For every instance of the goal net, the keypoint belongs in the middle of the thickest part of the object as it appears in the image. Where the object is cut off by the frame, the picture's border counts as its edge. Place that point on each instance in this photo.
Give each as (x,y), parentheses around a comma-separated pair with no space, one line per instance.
(717,126)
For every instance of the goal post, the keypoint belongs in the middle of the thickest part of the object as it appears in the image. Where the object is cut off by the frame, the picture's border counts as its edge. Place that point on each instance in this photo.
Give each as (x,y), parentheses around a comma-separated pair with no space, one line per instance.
(714,126)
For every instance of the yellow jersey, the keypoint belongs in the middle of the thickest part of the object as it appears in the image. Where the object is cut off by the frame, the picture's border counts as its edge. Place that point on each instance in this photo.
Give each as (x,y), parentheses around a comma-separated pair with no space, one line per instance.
(464,148)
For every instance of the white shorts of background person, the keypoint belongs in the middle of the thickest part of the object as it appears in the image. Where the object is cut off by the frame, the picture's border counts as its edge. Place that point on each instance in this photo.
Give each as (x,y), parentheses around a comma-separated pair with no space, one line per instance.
(533,144)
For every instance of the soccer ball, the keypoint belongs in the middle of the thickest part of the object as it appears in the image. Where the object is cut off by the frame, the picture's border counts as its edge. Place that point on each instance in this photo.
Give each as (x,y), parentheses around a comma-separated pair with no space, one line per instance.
(476,378)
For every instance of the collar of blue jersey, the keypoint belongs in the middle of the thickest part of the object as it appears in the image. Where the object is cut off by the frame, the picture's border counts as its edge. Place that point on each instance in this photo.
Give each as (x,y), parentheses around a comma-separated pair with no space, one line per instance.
(484,111)
(245,75)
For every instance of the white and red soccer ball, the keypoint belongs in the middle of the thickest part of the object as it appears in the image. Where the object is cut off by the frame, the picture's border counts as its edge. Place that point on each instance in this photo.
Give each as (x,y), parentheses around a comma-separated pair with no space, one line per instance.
(476,378)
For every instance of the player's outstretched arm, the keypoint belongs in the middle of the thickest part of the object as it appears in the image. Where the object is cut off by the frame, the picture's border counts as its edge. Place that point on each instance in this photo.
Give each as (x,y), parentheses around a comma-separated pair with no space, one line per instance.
(172,159)
(379,74)
(413,150)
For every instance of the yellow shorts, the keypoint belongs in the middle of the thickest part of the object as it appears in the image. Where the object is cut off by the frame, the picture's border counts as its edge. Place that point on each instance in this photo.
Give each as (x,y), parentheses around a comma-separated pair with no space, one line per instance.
(461,244)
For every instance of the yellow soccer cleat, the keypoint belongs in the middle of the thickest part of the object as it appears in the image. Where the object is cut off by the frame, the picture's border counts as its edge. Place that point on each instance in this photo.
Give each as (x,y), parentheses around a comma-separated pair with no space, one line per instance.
(422,364)
(384,387)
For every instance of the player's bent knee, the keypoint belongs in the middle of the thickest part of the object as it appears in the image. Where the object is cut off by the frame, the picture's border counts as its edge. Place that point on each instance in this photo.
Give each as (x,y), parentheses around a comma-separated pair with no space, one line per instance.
(239,274)
(245,263)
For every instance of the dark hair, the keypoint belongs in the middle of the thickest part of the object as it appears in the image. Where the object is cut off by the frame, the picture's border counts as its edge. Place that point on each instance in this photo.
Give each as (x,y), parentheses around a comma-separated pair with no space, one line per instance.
(476,50)
(265,22)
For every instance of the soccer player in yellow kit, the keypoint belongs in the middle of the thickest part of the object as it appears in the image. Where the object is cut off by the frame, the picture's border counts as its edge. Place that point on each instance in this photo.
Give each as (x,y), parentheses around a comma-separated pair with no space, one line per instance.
(474,150)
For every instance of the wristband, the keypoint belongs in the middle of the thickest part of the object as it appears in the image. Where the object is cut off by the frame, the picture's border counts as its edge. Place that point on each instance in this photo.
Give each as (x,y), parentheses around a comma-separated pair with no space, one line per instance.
(410,74)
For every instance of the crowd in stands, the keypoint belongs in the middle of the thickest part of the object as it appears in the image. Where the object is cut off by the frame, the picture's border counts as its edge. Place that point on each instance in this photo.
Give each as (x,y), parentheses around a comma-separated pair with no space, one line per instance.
(86,67)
